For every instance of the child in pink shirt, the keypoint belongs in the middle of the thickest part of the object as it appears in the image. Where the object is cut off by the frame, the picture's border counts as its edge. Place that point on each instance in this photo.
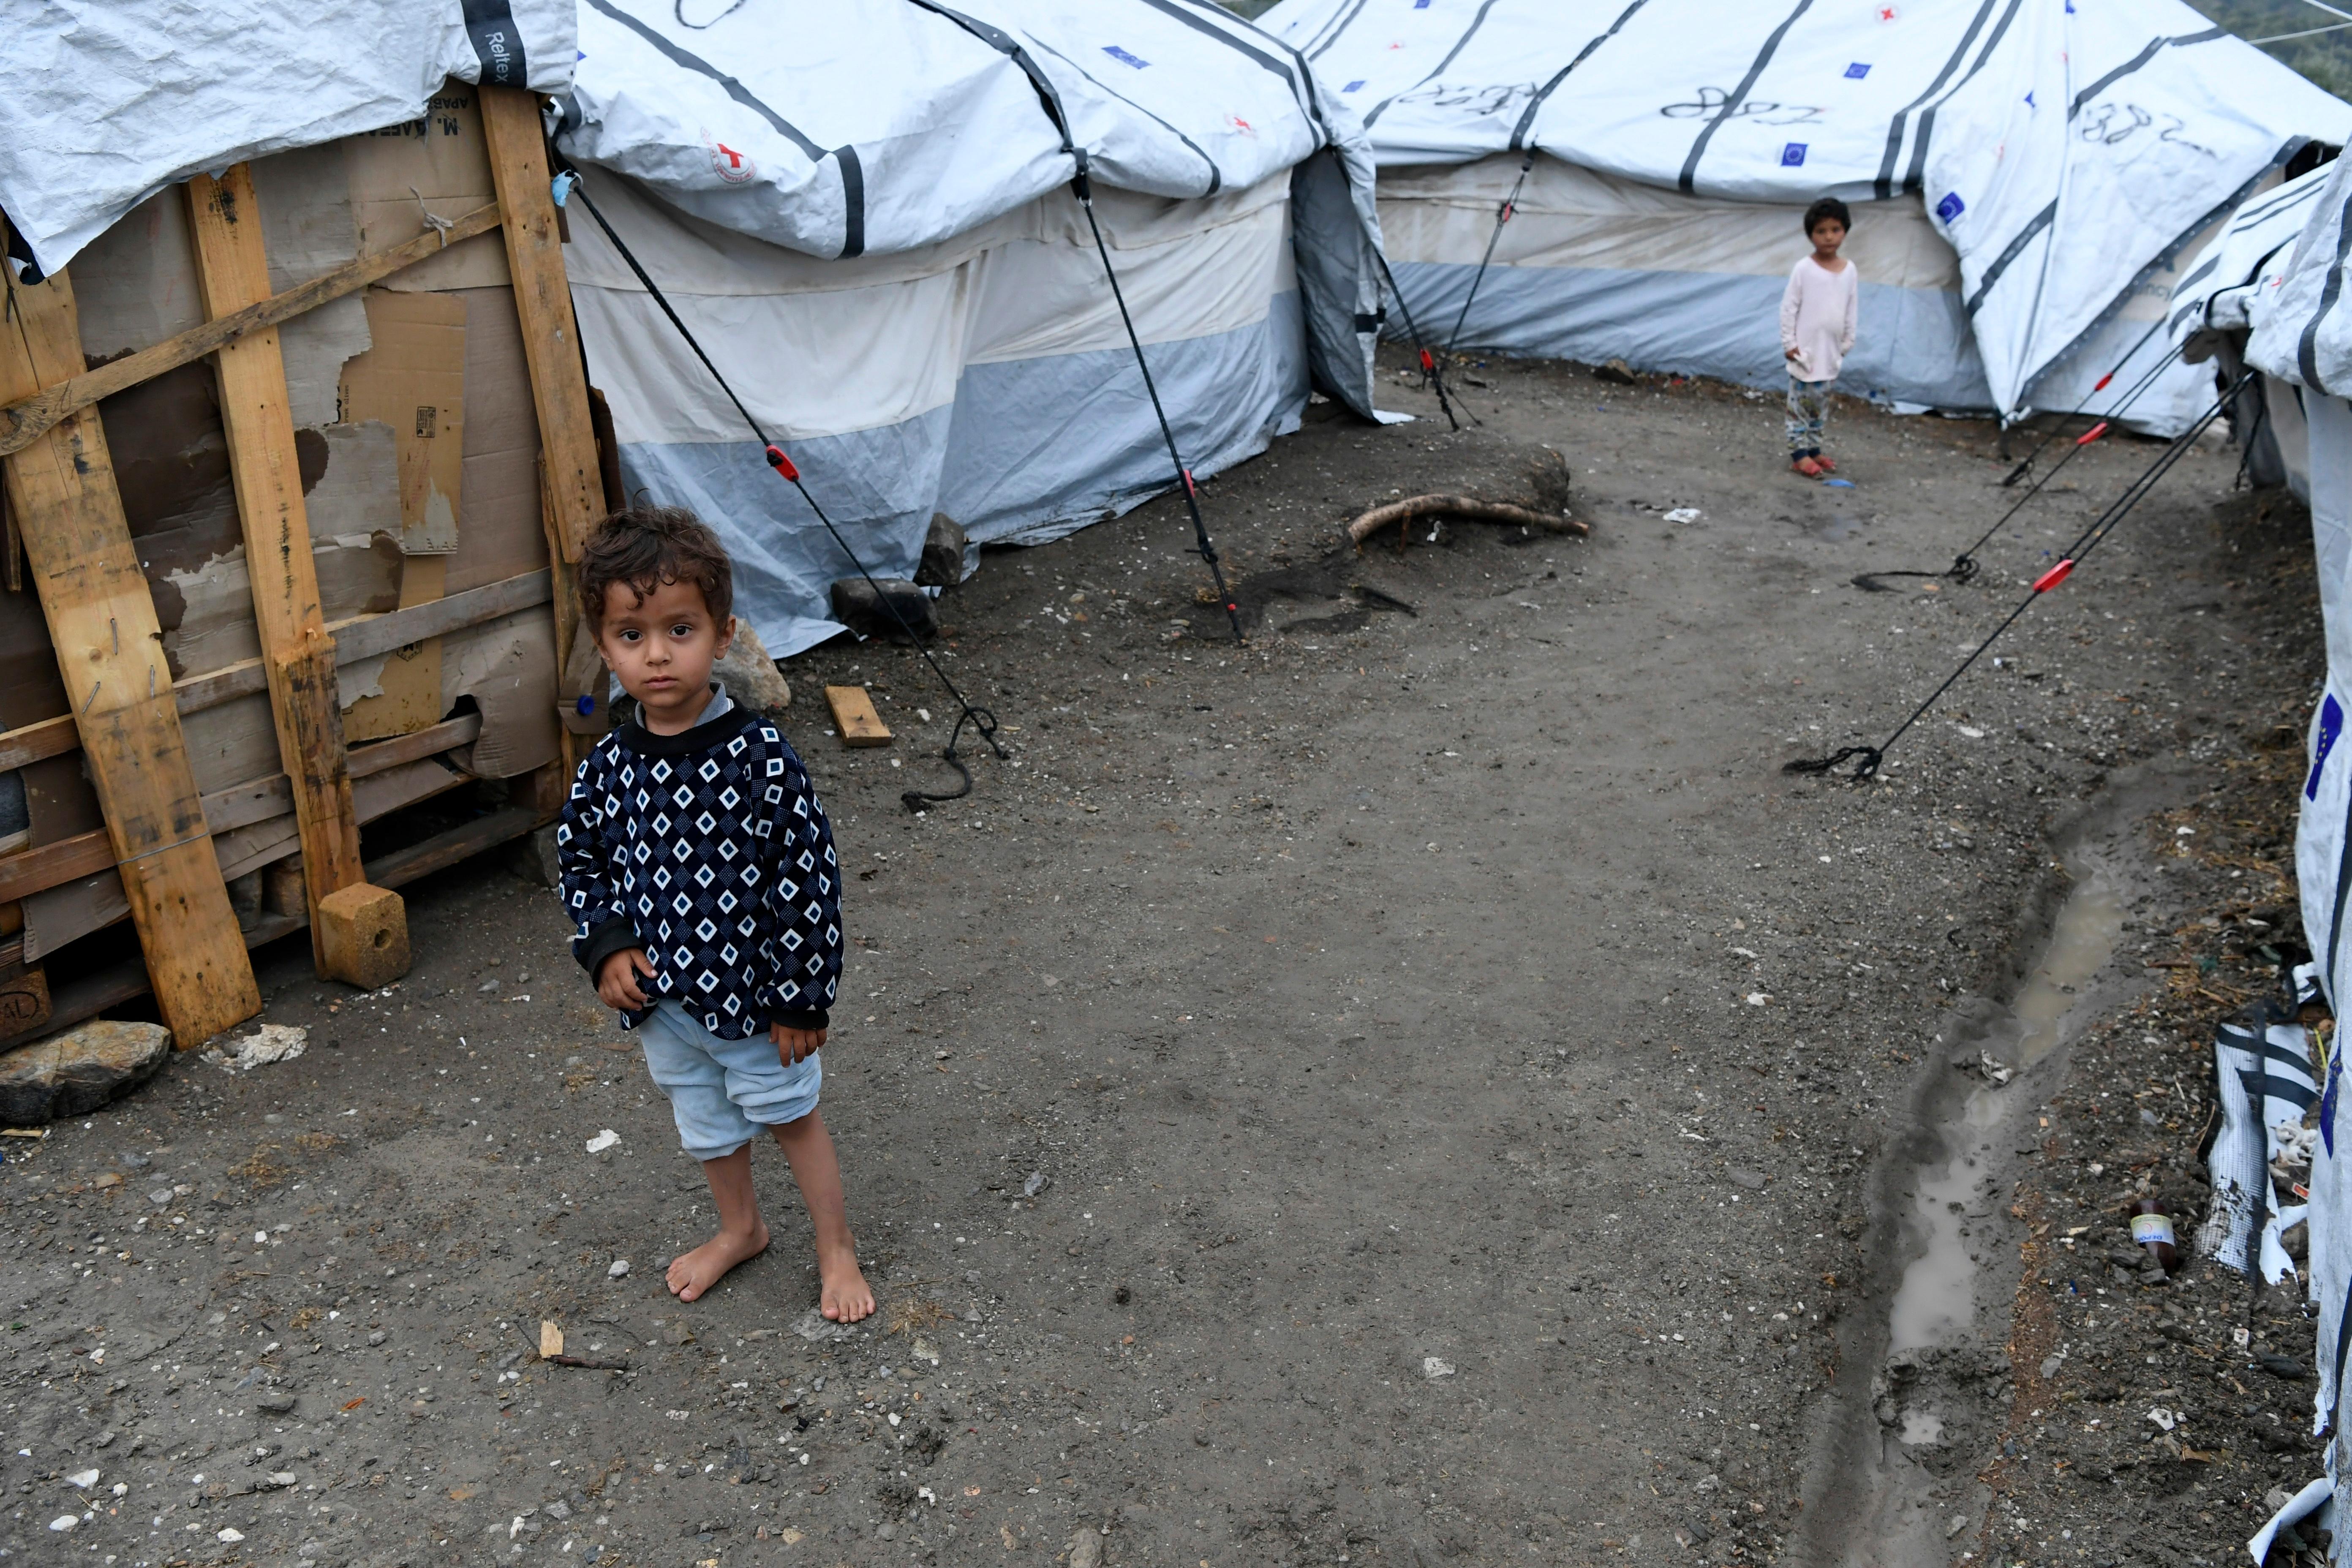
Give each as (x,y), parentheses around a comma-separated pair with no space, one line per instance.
(1817,318)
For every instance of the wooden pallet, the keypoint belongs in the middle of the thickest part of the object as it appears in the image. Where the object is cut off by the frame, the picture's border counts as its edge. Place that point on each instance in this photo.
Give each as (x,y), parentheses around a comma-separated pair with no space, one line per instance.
(63,503)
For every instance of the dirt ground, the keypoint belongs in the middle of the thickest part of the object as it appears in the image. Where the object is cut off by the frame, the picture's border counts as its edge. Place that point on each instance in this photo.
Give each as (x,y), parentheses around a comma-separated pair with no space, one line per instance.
(1423,1085)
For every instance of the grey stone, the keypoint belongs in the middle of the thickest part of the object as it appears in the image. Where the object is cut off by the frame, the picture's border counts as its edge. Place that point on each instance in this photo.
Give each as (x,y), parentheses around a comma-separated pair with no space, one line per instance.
(866,608)
(942,566)
(751,675)
(80,1070)
(277,1402)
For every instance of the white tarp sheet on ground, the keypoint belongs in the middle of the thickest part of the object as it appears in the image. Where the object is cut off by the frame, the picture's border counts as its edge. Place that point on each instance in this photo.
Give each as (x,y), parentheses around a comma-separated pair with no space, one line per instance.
(2066,152)
(103,105)
(866,221)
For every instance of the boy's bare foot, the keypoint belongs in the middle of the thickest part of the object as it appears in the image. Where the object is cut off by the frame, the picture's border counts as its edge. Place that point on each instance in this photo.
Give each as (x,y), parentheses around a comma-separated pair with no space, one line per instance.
(1807,467)
(1826,466)
(692,1273)
(847,1299)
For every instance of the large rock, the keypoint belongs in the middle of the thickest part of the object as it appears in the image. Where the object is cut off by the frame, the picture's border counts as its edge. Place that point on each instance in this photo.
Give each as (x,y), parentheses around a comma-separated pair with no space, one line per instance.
(76,1072)
(751,677)
(867,609)
(943,552)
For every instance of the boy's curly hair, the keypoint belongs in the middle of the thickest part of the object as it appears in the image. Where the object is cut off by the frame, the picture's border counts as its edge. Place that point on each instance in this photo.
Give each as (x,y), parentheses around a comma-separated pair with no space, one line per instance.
(646,546)
(1826,208)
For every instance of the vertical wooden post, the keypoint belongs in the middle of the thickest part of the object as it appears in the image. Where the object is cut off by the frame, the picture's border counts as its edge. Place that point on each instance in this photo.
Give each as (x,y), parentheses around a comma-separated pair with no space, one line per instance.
(298,655)
(109,649)
(570,480)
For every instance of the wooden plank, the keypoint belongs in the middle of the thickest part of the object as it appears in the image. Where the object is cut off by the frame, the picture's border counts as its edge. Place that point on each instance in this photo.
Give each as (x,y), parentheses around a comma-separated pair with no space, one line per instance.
(298,656)
(110,650)
(29,871)
(363,636)
(571,482)
(551,339)
(27,417)
(853,716)
(462,730)
(446,849)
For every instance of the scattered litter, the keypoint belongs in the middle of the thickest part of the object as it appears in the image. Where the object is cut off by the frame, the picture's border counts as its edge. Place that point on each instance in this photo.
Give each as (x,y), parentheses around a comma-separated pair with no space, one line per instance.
(922,1351)
(2164,1419)
(1757,998)
(550,1339)
(1685,514)
(1839,484)
(82,1480)
(597,1145)
(1434,1367)
(266,1047)
(1037,1183)
(620,1270)
(1970,732)
(230,1537)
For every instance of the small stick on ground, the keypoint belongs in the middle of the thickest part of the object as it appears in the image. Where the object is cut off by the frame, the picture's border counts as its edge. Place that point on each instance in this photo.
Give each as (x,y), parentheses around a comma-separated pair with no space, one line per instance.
(1467,507)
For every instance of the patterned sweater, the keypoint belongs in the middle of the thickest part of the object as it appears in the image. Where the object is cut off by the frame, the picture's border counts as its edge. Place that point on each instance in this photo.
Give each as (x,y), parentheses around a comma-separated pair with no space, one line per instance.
(709,849)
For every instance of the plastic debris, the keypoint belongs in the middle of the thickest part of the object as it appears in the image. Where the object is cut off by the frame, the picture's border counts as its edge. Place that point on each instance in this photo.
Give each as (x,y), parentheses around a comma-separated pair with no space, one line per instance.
(599,1143)
(1685,514)
(1434,1367)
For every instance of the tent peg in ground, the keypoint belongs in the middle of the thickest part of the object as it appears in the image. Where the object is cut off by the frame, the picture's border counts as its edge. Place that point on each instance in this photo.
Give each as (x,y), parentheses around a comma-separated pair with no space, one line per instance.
(1467,507)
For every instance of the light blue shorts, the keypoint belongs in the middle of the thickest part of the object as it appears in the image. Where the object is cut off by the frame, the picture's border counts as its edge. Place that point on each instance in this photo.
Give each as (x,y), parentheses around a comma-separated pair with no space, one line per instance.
(723,1093)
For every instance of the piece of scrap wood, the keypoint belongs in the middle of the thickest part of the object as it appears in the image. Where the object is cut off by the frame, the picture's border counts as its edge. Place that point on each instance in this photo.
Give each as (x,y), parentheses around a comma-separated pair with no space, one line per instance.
(551,1339)
(853,716)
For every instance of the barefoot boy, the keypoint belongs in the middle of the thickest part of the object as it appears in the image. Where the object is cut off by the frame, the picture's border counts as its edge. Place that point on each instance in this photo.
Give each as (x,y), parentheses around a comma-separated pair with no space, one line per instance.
(701,869)
(1817,321)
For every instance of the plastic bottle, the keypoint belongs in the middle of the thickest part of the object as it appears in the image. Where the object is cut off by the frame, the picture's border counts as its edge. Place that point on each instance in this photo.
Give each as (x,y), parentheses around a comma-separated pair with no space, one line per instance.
(2151,1229)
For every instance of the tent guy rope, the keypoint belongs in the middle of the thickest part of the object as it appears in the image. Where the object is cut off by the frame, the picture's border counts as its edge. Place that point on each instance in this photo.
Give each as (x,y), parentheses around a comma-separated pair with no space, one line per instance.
(1866,758)
(568,184)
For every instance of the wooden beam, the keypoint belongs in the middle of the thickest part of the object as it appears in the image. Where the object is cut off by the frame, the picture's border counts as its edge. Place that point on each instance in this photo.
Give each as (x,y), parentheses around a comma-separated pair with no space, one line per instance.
(571,482)
(298,655)
(362,636)
(109,651)
(25,418)
(550,338)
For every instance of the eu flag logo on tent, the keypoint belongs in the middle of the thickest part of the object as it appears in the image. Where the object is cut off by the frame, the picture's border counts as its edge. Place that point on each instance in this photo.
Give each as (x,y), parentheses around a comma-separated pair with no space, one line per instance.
(1952,207)
(1857,71)
(1123,58)
(1792,155)
(2331,725)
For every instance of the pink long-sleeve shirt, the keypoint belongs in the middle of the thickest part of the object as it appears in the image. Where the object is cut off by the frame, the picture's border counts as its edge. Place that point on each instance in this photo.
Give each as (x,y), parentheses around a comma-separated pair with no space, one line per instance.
(1817,318)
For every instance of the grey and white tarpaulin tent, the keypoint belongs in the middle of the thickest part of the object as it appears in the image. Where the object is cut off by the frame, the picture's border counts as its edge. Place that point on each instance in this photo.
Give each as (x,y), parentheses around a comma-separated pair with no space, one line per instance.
(2027,172)
(102,106)
(866,219)
(2277,298)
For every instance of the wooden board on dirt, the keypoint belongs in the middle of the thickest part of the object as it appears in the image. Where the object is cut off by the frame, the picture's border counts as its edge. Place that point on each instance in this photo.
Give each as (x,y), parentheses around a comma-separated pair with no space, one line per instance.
(853,716)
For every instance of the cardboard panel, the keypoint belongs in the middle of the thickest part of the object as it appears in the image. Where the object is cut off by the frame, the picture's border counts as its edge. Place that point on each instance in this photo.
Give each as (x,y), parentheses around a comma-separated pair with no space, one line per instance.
(412,379)
(438,166)
(504,536)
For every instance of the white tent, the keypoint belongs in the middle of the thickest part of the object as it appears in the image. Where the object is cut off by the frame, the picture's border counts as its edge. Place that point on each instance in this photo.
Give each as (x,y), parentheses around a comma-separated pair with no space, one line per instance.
(102,106)
(866,221)
(2276,301)
(2028,171)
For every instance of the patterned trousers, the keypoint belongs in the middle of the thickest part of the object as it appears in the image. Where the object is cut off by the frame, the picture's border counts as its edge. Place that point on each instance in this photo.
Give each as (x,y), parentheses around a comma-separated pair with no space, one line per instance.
(1808,410)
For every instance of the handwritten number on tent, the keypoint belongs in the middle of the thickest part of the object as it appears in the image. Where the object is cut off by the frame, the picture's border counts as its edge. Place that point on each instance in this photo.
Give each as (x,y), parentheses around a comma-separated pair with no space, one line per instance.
(982,721)
(1866,758)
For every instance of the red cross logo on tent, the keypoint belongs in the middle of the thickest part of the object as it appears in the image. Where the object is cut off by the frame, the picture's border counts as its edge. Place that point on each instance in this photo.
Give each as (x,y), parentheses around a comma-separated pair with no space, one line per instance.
(734,168)
(1886,13)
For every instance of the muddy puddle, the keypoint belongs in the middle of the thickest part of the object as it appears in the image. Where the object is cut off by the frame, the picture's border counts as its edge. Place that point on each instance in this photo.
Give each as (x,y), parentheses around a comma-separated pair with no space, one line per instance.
(1937,1301)
(1903,1492)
